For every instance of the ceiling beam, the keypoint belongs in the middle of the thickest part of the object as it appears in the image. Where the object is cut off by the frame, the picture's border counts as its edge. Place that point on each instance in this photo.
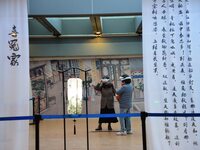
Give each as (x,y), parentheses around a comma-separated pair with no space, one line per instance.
(111,35)
(139,28)
(48,26)
(96,24)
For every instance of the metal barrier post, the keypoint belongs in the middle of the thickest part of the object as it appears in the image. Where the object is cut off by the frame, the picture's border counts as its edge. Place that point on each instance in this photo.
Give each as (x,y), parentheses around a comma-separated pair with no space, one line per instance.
(64,120)
(33,102)
(39,105)
(144,115)
(37,131)
(86,100)
(33,110)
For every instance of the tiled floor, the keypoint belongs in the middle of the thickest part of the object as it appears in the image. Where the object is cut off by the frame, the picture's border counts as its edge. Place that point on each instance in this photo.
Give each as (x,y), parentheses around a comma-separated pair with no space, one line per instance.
(51,136)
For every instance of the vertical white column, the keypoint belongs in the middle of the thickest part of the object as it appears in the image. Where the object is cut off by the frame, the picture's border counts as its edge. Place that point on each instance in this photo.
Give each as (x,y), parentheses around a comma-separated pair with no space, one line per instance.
(14,74)
(171,72)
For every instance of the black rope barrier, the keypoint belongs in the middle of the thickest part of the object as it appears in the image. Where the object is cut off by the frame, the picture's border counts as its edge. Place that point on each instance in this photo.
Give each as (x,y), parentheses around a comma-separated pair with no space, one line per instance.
(101,115)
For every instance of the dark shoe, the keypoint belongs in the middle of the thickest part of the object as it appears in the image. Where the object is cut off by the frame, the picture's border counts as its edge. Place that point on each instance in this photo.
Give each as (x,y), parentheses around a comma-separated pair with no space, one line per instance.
(109,128)
(98,129)
(129,132)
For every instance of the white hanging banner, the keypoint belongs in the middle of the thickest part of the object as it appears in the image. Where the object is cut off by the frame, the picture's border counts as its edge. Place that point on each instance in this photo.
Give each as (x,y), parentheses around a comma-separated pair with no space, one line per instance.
(171,47)
(14,74)
(74,95)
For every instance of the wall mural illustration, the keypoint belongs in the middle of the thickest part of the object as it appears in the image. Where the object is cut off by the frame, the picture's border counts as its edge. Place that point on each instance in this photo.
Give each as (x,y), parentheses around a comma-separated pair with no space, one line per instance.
(46,81)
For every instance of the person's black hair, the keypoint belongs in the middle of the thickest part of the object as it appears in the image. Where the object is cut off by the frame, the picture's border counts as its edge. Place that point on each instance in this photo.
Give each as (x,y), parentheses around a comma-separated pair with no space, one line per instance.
(126,79)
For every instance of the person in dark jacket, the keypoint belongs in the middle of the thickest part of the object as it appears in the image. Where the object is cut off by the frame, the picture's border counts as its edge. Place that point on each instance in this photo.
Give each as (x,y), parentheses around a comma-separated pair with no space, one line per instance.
(107,102)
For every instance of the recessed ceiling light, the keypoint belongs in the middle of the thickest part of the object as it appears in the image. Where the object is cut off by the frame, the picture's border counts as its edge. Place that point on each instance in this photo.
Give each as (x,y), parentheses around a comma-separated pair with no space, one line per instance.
(98,33)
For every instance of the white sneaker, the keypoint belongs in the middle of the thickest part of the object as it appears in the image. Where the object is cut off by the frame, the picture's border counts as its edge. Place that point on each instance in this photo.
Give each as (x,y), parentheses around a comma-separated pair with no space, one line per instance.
(121,133)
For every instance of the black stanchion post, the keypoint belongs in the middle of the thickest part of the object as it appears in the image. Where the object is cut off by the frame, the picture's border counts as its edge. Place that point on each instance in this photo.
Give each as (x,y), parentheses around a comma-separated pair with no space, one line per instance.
(86,100)
(144,115)
(64,121)
(33,100)
(37,131)
(39,105)
(33,110)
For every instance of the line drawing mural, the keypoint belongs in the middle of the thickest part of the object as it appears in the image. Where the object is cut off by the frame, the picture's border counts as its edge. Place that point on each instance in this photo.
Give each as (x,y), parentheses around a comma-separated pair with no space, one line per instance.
(47,82)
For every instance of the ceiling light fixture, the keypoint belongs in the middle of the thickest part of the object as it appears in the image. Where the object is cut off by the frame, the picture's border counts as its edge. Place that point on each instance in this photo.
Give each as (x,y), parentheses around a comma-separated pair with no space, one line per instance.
(98,33)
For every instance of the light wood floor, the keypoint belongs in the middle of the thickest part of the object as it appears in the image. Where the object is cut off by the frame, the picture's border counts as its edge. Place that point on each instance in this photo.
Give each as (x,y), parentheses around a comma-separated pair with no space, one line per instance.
(51,136)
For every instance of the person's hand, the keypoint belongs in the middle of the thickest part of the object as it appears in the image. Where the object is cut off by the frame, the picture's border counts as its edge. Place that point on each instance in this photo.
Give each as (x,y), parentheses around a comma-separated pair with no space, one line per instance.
(118,97)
